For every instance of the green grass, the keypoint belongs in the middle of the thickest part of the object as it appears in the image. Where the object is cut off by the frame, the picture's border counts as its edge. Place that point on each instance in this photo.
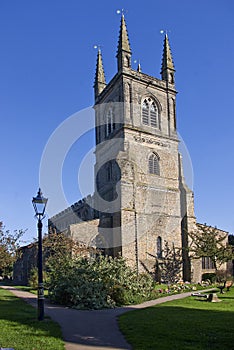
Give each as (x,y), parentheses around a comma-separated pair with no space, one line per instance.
(185,324)
(19,328)
(24,288)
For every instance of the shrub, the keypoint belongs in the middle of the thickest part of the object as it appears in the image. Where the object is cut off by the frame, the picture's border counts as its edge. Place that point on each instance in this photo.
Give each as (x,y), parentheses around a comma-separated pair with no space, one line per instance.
(96,283)
(33,279)
(209,276)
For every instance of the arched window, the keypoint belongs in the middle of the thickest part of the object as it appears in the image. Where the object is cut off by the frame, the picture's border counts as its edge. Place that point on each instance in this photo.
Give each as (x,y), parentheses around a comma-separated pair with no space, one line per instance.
(145,113)
(153,115)
(154,164)
(174,112)
(159,247)
(109,122)
(149,113)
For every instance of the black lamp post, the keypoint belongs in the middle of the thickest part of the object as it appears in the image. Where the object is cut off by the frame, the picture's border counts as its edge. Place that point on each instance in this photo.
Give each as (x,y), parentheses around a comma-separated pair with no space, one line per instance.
(39,204)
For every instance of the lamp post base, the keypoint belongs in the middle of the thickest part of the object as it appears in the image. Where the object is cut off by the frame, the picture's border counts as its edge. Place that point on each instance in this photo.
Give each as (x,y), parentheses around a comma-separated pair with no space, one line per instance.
(40,302)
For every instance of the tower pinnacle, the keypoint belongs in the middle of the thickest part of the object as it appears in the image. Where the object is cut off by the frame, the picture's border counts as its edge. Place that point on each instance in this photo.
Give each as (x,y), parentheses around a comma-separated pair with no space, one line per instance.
(124,50)
(100,80)
(168,70)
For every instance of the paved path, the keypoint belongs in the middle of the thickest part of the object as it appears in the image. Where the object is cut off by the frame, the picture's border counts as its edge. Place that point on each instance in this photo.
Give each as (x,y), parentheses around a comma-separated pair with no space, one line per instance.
(90,329)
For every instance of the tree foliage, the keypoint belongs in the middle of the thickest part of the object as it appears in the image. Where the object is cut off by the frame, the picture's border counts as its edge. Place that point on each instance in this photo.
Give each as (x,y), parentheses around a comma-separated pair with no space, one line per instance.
(170,264)
(208,241)
(9,244)
(60,248)
(168,267)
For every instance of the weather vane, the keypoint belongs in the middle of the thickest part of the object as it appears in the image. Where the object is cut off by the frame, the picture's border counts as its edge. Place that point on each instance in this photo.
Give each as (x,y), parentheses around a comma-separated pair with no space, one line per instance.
(136,61)
(122,11)
(164,31)
(97,47)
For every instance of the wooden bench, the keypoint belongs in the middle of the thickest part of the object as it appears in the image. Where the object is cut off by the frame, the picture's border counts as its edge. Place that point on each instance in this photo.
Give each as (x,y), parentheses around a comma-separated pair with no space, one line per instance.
(228,285)
(221,287)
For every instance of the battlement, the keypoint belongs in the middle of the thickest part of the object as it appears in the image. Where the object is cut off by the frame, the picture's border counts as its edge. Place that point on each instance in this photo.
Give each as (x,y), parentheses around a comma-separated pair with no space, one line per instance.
(78,212)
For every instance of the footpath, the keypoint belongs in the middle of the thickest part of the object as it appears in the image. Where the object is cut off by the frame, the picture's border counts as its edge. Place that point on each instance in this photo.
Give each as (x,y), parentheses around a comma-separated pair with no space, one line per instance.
(90,329)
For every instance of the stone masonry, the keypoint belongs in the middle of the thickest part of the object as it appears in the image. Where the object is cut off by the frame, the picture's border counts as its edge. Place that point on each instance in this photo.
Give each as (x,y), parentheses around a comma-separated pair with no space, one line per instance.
(141,199)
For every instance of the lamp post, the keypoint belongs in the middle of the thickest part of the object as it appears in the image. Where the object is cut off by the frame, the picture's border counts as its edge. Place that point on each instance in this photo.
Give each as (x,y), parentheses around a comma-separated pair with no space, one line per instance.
(39,204)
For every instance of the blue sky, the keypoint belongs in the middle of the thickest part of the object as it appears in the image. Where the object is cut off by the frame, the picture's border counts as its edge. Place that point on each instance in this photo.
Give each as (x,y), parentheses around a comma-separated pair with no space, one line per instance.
(47,66)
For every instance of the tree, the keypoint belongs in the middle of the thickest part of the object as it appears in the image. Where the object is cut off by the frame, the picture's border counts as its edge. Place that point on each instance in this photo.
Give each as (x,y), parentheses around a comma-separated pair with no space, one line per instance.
(208,241)
(59,247)
(9,244)
(170,265)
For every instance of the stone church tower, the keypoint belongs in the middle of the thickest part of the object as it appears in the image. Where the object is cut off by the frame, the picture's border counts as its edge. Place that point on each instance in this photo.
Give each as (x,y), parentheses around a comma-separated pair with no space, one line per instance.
(140,194)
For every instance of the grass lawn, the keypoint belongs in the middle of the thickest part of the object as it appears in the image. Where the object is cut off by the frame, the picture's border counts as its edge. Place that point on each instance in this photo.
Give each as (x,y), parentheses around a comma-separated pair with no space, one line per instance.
(19,328)
(24,288)
(185,324)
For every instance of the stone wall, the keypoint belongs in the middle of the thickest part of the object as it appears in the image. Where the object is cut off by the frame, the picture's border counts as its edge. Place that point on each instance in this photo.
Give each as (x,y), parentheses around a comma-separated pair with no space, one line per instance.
(25,263)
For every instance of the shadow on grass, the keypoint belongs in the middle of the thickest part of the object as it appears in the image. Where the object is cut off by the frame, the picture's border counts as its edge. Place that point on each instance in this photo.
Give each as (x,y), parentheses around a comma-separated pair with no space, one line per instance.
(221,296)
(177,327)
(18,314)
(95,328)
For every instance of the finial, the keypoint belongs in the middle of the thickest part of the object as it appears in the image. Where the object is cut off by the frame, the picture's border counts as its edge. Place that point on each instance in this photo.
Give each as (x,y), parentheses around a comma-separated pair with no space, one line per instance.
(97,47)
(167,71)
(164,31)
(122,12)
(124,50)
(138,65)
(123,44)
(100,80)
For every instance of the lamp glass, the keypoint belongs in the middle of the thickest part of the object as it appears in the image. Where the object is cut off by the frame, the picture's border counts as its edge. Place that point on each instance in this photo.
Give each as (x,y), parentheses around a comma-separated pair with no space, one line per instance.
(39,203)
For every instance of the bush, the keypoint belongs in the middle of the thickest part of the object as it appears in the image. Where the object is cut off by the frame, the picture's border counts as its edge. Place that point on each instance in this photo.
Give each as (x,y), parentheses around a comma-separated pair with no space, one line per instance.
(33,279)
(96,283)
(209,276)
(77,286)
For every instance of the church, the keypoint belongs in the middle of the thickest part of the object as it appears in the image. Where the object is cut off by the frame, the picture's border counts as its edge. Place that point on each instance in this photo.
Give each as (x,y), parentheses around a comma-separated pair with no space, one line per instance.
(141,199)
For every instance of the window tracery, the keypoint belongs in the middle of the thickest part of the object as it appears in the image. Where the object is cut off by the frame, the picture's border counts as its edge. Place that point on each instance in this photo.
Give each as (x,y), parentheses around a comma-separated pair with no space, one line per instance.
(149,113)
(109,122)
